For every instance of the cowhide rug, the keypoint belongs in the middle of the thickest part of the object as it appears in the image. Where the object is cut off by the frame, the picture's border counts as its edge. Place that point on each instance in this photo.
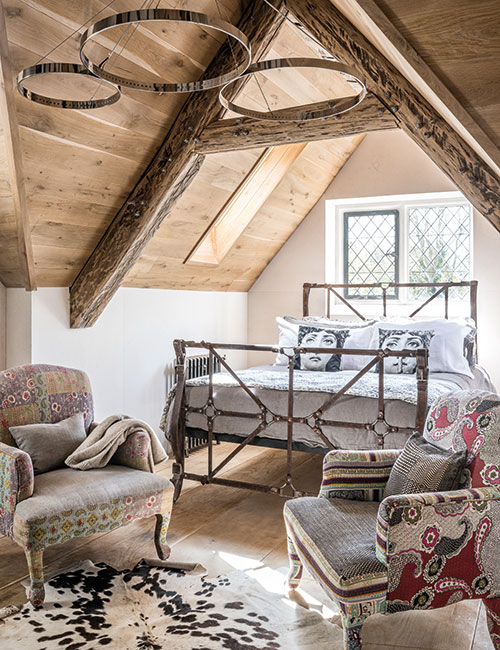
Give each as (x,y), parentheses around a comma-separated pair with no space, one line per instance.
(153,608)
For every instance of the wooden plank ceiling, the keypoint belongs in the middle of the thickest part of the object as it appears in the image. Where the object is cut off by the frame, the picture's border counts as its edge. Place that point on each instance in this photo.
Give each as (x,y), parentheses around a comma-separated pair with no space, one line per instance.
(80,167)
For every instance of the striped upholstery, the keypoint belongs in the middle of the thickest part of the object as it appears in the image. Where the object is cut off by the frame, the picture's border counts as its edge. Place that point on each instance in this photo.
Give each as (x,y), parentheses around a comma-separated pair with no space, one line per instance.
(346,565)
(360,475)
(430,549)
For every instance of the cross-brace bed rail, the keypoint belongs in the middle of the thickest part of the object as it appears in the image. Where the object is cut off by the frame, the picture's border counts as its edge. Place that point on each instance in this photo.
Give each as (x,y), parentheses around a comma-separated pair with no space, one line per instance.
(265,416)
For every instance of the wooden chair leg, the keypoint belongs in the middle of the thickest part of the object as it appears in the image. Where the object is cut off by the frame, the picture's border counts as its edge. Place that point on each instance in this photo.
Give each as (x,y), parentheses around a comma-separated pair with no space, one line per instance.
(296,569)
(493,613)
(161,529)
(35,567)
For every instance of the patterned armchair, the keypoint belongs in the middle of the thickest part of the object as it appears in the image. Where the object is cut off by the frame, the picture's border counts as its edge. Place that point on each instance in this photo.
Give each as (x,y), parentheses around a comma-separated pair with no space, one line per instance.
(415,551)
(50,508)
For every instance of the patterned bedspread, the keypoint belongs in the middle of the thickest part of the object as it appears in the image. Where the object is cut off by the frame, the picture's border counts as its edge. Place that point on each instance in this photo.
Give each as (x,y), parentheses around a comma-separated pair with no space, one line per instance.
(400,387)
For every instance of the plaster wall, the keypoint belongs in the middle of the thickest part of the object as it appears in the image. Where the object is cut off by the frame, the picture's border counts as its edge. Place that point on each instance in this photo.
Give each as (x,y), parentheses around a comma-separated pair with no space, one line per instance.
(128,353)
(3,325)
(386,163)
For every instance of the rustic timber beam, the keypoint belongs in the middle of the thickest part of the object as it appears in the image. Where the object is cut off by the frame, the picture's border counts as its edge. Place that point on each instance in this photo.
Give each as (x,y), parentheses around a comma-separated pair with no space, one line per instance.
(416,116)
(14,160)
(172,169)
(367,16)
(247,133)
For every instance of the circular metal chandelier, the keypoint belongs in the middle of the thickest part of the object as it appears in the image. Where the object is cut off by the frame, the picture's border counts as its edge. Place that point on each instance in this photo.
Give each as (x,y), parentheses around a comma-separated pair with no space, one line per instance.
(314,111)
(64,68)
(165,15)
(243,68)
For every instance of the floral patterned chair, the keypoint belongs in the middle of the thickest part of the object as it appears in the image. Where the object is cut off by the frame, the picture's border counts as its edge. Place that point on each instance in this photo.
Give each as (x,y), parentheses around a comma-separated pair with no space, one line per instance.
(413,551)
(50,508)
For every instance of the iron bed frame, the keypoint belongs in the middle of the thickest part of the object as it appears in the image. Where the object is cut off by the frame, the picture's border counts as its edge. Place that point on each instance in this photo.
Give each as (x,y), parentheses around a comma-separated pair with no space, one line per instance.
(265,417)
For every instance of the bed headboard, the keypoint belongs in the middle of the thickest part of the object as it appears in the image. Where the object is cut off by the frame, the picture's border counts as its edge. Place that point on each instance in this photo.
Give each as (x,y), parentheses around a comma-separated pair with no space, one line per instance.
(441,288)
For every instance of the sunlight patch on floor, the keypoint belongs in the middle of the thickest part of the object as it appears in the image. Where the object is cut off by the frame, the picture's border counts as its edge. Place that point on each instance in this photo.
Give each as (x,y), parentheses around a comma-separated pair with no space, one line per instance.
(274,581)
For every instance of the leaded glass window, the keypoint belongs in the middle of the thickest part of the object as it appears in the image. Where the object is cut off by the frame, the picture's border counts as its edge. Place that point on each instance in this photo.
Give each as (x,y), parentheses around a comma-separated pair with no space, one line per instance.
(438,247)
(371,250)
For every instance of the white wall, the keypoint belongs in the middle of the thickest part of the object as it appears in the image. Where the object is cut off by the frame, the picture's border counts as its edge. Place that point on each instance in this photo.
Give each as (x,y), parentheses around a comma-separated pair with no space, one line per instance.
(18,319)
(3,326)
(384,164)
(128,353)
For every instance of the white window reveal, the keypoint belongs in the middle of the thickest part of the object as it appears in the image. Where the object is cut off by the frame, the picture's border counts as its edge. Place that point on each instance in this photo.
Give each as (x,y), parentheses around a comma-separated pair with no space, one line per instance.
(410,238)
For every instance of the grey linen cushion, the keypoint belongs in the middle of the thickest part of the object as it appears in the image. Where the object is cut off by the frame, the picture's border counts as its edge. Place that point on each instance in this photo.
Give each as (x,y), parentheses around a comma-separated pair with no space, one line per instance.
(50,444)
(424,467)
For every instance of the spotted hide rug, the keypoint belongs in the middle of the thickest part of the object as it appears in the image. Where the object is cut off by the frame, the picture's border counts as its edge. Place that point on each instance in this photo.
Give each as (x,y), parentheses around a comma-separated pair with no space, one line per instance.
(153,608)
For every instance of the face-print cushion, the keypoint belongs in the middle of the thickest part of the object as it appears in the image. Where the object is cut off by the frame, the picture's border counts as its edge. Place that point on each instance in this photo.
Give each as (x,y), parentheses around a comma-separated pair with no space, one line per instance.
(317,337)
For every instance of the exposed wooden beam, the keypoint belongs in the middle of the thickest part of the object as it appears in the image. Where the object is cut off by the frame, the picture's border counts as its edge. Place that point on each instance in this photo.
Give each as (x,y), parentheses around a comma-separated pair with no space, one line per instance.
(244,204)
(416,116)
(372,22)
(11,136)
(248,133)
(172,169)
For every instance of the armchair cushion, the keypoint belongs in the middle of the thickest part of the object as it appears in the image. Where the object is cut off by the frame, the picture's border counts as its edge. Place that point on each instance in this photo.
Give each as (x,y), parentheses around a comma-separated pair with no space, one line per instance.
(42,393)
(346,564)
(424,467)
(48,445)
(68,503)
(16,484)
(359,475)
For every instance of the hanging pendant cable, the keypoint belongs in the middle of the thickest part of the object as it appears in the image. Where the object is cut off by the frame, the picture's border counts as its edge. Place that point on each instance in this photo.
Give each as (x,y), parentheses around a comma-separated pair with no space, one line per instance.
(234,58)
(74,32)
(300,28)
(112,52)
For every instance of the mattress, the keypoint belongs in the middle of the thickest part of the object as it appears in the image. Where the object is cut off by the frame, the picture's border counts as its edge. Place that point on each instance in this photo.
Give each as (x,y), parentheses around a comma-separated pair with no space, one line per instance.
(311,391)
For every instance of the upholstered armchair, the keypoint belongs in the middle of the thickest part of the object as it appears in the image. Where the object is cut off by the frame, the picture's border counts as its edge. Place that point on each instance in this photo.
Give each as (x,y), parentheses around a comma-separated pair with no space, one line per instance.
(39,510)
(414,551)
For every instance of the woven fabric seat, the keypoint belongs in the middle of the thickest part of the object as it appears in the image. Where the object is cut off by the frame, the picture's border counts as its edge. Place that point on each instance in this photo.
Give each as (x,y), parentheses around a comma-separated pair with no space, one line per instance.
(65,503)
(337,540)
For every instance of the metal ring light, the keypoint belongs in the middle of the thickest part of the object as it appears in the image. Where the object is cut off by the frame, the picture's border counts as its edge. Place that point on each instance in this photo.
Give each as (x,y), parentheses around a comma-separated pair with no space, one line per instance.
(299,113)
(165,15)
(63,68)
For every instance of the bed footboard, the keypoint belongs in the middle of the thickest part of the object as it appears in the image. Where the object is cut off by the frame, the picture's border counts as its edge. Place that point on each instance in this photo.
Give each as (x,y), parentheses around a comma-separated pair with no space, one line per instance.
(264,417)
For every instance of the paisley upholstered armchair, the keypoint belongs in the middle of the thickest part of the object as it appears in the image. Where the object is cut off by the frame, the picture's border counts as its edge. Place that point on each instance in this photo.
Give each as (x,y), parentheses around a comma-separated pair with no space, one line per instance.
(413,551)
(39,510)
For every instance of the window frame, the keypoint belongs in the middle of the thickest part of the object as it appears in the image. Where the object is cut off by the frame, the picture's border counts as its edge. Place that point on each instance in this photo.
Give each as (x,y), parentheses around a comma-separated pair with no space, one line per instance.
(346,214)
(334,234)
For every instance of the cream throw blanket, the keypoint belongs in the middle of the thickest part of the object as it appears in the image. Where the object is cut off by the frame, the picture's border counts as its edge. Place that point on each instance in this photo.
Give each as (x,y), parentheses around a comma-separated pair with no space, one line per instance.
(100,445)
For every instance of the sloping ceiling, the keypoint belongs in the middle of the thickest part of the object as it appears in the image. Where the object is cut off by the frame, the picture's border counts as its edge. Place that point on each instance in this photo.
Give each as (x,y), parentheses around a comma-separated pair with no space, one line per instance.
(81,166)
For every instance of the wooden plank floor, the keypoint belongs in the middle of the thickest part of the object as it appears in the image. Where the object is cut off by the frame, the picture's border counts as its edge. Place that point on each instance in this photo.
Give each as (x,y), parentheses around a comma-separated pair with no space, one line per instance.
(227,529)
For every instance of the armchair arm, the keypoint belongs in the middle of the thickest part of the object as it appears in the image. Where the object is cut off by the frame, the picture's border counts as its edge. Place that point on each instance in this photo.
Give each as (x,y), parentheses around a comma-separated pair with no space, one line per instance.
(16,483)
(135,452)
(359,475)
(440,547)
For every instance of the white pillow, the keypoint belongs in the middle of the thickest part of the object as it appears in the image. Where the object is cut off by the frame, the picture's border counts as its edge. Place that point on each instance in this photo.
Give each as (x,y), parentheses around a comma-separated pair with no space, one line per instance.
(444,338)
(360,335)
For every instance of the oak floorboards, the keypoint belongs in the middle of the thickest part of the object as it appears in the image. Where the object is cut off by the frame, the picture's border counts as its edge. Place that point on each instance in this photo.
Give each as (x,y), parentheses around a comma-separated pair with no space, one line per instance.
(227,529)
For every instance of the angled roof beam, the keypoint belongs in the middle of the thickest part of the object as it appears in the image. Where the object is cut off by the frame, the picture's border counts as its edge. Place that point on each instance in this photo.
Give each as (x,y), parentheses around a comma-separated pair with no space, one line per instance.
(244,203)
(367,16)
(247,133)
(416,116)
(169,173)
(8,117)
